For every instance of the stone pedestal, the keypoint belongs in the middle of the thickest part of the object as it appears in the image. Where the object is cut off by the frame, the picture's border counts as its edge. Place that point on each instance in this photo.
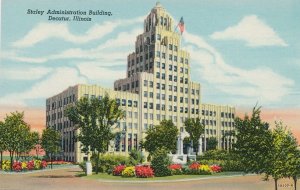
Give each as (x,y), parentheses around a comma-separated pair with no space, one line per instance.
(88,165)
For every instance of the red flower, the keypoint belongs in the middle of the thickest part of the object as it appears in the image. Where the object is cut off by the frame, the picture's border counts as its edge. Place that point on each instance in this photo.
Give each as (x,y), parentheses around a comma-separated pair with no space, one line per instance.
(216,168)
(44,164)
(118,169)
(17,166)
(175,166)
(194,166)
(144,171)
(30,165)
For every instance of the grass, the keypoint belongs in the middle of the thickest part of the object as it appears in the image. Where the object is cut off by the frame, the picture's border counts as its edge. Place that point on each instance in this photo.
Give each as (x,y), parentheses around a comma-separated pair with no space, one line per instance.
(104,176)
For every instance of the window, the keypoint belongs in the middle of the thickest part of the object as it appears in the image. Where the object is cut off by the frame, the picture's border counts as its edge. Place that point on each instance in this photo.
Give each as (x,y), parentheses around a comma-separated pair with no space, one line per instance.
(170,108)
(175,48)
(170,57)
(175,78)
(175,58)
(151,94)
(130,114)
(175,88)
(175,98)
(181,79)
(175,68)
(163,96)
(181,109)
(170,67)
(163,86)
(145,83)
(181,69)
(186,100)
(145,94)
(158,117)
(151,105)
(158,96)
(186,71)
(145,126)
(181,59)
(145,115)
(181,89)
(158,64)
(186,90)
(151,116)
(145,104)
(170,77)
(163,55)
(185,80)
(135,115)
(181,99)
(157,106)
(135,104)
(185,110)
(170,97)
(163,65)
(158,86)
(157,75)
(193,91)
(163,107)
(129,103)
(186,61)
(170,87)
(151,84)
(175,108)
(170,47)
(158,54)
(163,76)
(123,102)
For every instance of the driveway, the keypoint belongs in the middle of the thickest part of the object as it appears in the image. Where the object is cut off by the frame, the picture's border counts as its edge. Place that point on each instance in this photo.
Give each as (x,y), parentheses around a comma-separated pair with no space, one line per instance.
(65,179)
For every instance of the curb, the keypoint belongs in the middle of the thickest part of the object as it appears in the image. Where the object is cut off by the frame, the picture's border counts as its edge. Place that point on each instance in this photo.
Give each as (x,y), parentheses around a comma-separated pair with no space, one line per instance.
(175,180)
(36,171)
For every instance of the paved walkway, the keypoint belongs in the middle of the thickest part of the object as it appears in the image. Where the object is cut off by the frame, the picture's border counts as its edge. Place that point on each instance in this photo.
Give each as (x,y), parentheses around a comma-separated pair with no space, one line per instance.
(65,179)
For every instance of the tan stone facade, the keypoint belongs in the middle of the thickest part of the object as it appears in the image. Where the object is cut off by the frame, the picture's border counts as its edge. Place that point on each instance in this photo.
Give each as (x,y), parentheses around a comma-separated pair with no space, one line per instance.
(158,86)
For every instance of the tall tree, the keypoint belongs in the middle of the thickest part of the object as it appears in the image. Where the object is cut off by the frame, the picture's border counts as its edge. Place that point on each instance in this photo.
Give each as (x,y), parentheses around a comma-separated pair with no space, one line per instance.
(50,142)
(254,143)
(195,129)
(16,128)
(3,141)
(95,118)
(211,143)
(162,136)
(285,158)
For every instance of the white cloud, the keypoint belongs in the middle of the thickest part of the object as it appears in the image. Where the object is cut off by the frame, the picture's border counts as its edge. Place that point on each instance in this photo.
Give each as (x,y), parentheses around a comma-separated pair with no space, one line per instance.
(260,84)
(28,73)
(44,31)
(61,79)
(251,30)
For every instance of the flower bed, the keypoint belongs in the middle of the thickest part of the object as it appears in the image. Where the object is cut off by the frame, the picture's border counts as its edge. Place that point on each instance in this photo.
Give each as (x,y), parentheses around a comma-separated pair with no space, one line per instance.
(176,169)
(203,169)
(141,171)
(24,166)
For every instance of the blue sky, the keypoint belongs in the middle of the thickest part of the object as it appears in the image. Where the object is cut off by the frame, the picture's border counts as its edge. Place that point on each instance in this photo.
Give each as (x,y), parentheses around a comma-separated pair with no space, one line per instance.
(242,52)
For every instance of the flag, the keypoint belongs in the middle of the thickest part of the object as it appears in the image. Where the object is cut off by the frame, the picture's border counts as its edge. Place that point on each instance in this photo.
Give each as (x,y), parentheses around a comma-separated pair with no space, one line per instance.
(181,25)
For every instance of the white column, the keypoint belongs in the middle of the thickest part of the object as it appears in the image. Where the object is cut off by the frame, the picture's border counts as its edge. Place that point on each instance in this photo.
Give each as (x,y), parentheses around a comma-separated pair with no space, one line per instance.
(200,146)
(181,145)
(178,145)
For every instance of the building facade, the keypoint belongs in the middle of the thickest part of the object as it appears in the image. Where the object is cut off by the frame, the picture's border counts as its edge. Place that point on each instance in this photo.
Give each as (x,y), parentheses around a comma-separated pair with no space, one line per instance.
(157,86)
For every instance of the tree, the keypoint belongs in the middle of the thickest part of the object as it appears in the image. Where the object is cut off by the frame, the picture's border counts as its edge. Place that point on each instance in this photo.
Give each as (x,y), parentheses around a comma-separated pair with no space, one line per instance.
(211,143)
(161,136)
(3,141)
(254,143)
(161,162)
(195,129)
(285,158)
(16,129)
(95,118)
(50,142)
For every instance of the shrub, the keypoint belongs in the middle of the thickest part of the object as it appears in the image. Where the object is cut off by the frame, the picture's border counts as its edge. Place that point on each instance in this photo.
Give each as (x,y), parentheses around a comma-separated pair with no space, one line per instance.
(118,170)
(205,170)
(216,168)
(37,164)
(24,165)
(135,157)
(43,164)
(5,165)
(160,163)
(17,166)
(30,165)
(143,171)
(108,162)
(176,169)
(199,169)
(128,172)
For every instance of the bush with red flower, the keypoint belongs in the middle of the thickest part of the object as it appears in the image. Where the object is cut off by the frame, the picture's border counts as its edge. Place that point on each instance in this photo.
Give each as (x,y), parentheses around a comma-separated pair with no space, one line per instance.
(176,169)
(30,165)
(17,166)
(144,171)
(117,171)
(215,168)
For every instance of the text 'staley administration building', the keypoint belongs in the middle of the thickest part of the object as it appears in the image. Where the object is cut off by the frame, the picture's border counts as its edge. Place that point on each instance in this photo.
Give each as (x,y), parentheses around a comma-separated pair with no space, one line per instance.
(158,86)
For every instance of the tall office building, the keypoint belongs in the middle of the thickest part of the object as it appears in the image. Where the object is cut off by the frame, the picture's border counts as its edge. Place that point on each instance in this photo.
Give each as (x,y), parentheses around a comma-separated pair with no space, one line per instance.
(158,86)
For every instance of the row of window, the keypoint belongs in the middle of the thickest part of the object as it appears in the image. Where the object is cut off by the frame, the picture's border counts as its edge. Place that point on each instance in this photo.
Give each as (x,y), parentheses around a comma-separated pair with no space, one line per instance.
(171,77)
(120,142)
(227,115)
(125,102)
(171,98)
(60,103)
(227,124)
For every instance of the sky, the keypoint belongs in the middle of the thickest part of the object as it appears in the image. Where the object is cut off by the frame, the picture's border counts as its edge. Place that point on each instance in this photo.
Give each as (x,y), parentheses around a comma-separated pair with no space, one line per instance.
(242,52)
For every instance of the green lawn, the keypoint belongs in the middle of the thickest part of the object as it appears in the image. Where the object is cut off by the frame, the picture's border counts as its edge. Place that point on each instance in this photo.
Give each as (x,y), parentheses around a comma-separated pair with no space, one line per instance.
(105,176)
